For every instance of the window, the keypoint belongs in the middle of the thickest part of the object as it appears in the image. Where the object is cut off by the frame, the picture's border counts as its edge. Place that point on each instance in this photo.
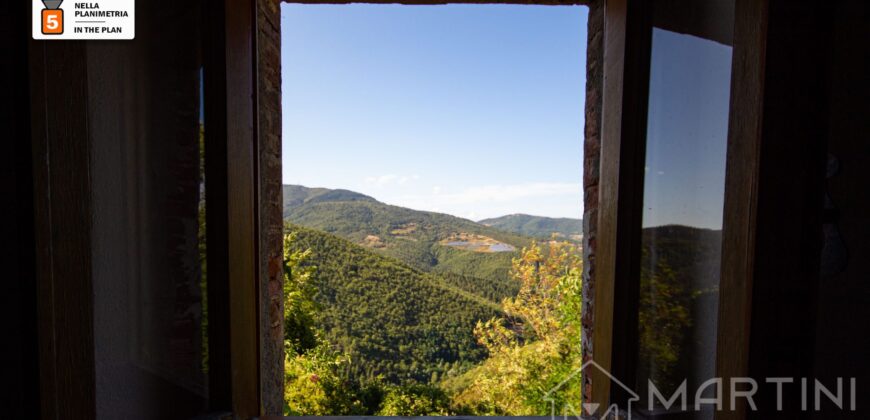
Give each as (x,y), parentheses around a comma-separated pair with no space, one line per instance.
(668,140)
(117,309)
(433,190)
(683,200)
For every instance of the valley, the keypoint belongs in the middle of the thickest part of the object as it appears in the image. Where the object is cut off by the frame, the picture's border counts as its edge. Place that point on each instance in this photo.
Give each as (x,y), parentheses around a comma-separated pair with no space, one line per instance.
(403,301)
(429,307)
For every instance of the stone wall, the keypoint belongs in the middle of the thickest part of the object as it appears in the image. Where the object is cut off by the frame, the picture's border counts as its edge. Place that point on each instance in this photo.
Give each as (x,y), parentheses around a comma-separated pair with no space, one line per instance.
(271,223)
(591,165)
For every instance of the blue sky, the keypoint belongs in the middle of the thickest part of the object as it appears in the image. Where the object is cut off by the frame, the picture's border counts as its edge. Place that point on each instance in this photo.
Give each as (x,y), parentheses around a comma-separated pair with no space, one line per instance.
(471,110)
(687,131)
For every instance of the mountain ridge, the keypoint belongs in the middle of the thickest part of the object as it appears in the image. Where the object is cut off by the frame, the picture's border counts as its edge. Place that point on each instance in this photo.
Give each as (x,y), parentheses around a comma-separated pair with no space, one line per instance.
(540,227)
(428,241)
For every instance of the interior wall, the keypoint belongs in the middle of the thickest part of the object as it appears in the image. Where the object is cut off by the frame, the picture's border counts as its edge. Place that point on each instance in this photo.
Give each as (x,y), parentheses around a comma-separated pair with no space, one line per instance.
(18,297)
(843,329)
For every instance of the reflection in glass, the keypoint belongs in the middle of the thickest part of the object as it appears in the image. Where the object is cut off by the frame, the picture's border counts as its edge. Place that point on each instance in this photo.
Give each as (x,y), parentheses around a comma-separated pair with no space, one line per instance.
(682,212)
(150,315)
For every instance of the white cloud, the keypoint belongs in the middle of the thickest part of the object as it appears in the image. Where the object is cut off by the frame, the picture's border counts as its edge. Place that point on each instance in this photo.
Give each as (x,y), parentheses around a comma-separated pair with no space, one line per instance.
(553,199)
(502,193)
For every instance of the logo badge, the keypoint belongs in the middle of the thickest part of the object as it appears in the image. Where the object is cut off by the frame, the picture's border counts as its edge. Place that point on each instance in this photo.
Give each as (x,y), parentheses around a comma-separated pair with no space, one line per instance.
(102,19)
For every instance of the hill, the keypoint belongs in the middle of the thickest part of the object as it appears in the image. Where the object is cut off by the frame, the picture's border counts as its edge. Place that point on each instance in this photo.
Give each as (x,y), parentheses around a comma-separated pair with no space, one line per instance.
(471,256)
(538,226)
(679,274)
(393,320)
(297,195)
(692,253)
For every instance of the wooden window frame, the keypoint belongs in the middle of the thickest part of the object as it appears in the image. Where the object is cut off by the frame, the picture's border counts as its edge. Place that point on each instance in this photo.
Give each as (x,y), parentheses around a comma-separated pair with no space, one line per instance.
(62,190)
(232,171)
(61,143)
(769,134)
(627,52)
(62,193)
(231,75)
(439,2)
(763,141)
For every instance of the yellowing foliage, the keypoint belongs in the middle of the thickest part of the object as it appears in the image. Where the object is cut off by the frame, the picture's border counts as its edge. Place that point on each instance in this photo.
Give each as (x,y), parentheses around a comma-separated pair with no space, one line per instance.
(531,349)
(537,348)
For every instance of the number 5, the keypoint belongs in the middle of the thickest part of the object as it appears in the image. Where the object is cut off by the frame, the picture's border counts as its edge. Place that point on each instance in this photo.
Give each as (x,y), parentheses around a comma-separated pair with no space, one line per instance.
(52,21)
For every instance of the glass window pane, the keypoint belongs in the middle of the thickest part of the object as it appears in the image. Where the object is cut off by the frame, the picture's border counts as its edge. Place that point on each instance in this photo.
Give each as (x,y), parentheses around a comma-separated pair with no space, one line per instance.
(148,192)
(684,179)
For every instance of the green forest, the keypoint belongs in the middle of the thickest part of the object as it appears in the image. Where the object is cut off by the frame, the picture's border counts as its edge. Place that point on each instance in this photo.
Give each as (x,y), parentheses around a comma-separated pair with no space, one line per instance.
(538,226)
(392,311)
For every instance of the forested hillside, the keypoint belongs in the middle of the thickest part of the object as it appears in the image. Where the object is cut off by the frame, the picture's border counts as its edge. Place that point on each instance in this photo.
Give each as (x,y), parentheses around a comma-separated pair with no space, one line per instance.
(297,195)
(368,335)
(393,311)
(680,263)
(432,242)
(538,226)
(393,320)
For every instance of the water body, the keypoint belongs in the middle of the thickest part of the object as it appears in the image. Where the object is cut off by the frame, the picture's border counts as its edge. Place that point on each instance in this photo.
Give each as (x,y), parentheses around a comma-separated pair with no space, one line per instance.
(459,243)
(499,247)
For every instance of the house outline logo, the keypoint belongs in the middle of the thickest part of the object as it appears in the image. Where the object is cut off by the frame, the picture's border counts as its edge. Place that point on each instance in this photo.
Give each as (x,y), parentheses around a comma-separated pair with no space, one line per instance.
(591,408)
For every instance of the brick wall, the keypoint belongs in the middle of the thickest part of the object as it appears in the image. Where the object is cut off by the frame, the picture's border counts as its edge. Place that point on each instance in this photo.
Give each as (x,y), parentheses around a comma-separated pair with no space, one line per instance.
(592,157)
(271,223)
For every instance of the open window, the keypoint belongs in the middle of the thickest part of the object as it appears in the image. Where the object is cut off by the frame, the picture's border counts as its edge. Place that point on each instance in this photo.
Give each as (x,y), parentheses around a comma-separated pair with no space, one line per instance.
(433,161)
(666,141)
(698,182)
(723,182)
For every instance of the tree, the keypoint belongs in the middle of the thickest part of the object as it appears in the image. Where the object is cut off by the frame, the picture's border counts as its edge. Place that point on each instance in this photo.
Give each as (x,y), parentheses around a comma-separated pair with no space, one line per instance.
(299,306)
(537,346)
(663,319)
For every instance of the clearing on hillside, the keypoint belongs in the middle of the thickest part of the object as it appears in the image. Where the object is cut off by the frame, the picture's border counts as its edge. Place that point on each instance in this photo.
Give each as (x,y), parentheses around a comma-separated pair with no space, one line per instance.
(476,243)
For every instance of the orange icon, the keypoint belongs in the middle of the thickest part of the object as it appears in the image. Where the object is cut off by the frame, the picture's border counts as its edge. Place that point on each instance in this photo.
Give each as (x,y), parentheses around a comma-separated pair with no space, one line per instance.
(52,21)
